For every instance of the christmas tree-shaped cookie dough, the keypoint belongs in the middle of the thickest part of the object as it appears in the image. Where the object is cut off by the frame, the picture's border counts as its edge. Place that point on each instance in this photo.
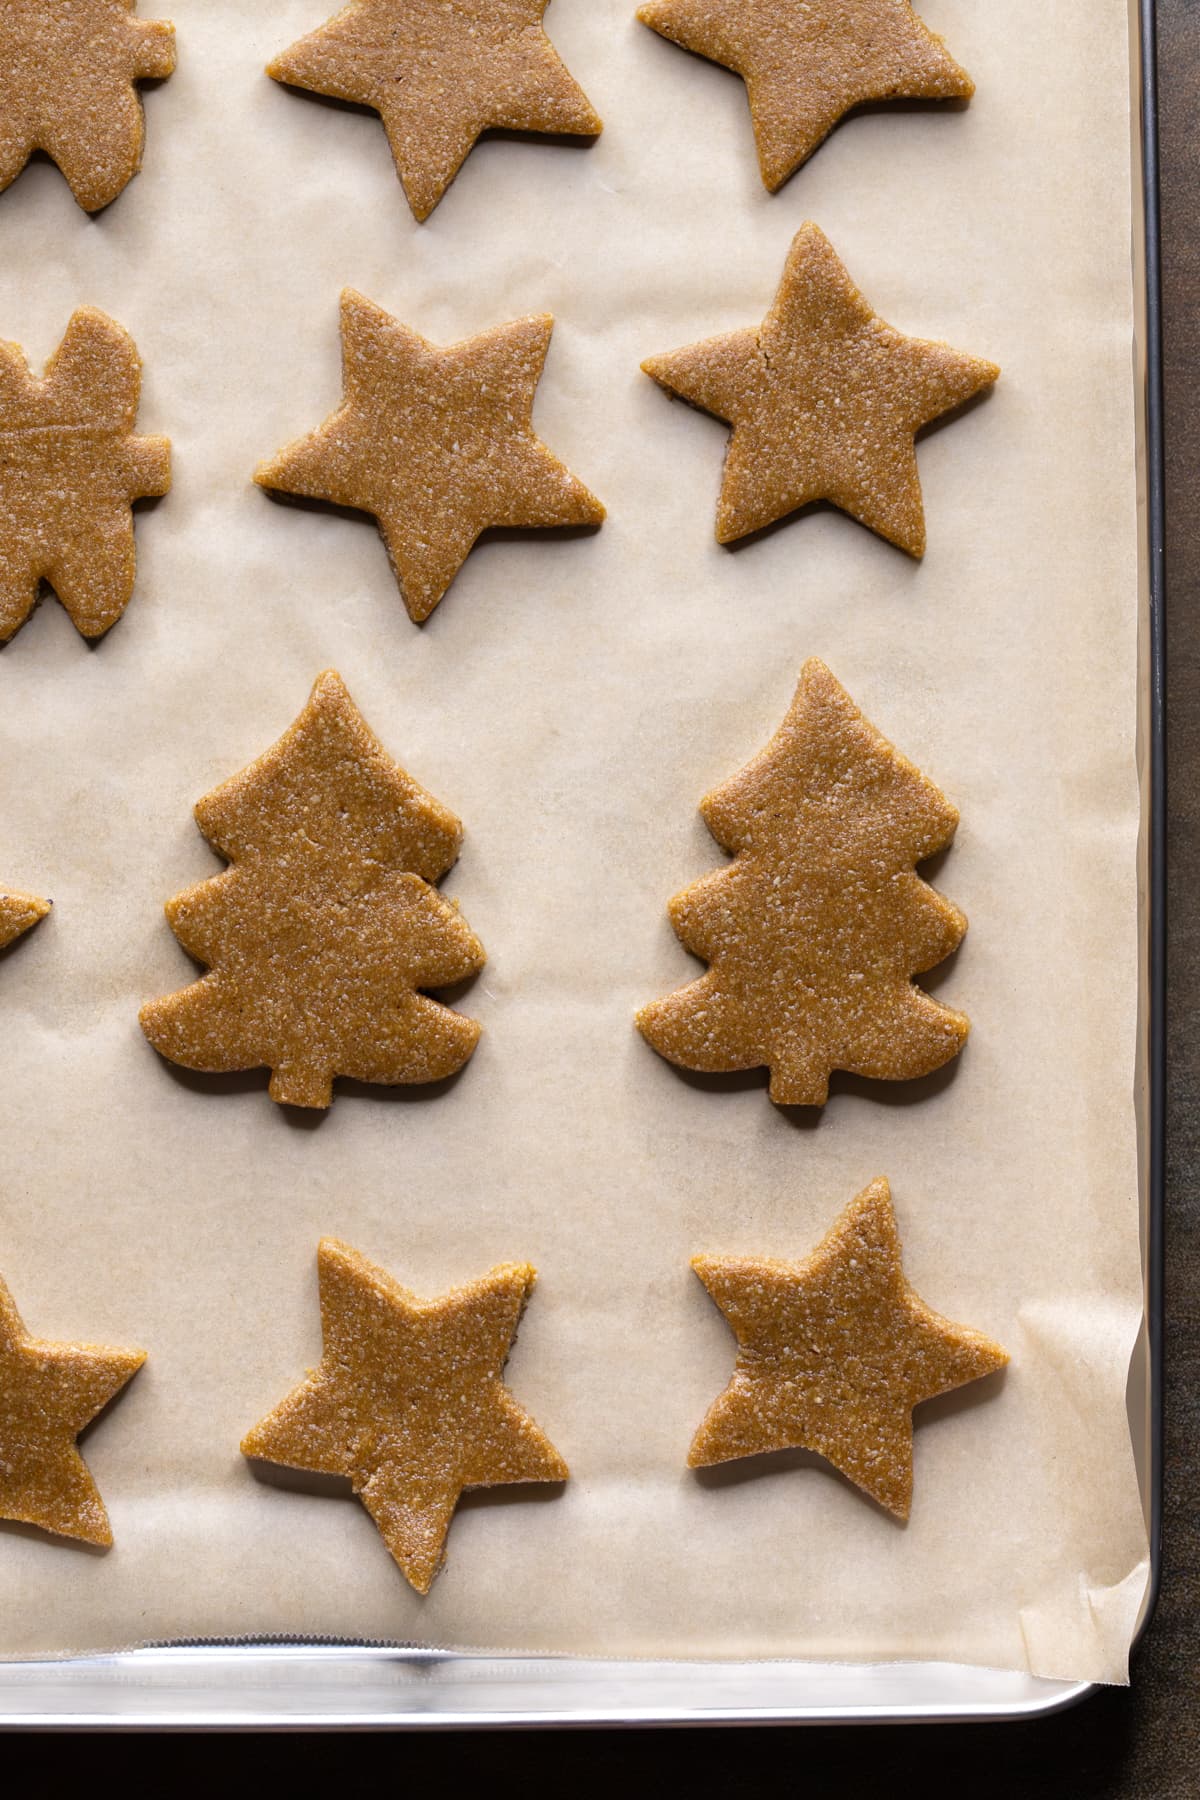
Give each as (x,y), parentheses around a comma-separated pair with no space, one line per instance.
(67,74)
(408,1401)
(48,1393)
(437,442)
(815,929)
(806,63)
(825,400)
(834,1353)
(19,913)
(439,75)
(320,935)
(71,468)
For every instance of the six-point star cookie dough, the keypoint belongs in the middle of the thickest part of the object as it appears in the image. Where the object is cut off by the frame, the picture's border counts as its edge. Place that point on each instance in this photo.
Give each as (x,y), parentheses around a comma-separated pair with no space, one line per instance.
(825,400)
(834,1353)
(437,442)
(806,63)
(67,74)
(440,75)
(71,466)
(408,1401)
(48,1393)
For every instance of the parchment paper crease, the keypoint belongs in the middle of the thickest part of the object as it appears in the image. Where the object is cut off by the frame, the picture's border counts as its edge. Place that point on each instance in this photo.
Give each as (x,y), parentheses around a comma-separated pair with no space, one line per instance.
(572,699)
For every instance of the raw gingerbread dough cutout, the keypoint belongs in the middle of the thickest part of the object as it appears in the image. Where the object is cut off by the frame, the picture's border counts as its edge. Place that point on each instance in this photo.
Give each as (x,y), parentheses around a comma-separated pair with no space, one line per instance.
(19,913)
(48,1393)
(437,442)
(71,466)
(440,75)
(825,400)
(408,1401)
(67,74)
(834,1353)
(806,63)
(320,935)
(815,929)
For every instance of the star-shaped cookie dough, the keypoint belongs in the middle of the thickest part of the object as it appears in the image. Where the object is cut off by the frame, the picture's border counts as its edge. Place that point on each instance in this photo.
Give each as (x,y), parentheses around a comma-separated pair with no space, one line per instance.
(437,442)
(833,1354)
(825,400)
(806,63)
(408,1401)
(71,466)
(439,75)
(67,74)
(48,1393)
(19,913)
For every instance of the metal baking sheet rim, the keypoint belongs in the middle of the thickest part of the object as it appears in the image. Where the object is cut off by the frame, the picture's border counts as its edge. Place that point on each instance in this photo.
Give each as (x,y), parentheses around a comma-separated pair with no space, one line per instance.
(298,1686)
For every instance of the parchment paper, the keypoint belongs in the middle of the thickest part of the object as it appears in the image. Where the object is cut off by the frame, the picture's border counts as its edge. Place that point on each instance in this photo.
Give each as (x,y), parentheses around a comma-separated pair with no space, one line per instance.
(572,699)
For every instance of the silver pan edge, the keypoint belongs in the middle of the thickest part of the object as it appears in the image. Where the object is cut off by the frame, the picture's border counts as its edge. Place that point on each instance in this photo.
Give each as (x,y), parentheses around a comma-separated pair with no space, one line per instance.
(257,1686)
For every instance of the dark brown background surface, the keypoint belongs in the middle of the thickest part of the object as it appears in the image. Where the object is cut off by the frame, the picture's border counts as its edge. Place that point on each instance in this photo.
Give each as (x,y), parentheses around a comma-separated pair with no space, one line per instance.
(1142,1743)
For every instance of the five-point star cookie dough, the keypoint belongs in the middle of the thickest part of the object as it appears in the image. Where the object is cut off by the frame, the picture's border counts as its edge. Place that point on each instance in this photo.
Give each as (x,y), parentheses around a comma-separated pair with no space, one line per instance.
(437,442)
(48,1393)
(806,63)
(834,1353)
(825,400)
(67,74)
(439,75)
(71,466)
(408,1401)
(19,913)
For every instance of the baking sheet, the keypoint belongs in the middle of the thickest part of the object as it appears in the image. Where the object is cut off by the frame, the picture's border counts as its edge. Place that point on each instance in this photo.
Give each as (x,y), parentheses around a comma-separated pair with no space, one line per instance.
(571,700)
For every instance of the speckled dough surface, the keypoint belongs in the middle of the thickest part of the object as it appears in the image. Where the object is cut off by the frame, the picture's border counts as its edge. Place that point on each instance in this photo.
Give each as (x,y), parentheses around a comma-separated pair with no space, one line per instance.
(19,913)
(67,74)
(437,443)
(572,703)
(319,936)
(440,72)
(70,467)
(806,63)
(815,929)
(48,1393)
(408,1401)
(825,400)
(833,1354)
